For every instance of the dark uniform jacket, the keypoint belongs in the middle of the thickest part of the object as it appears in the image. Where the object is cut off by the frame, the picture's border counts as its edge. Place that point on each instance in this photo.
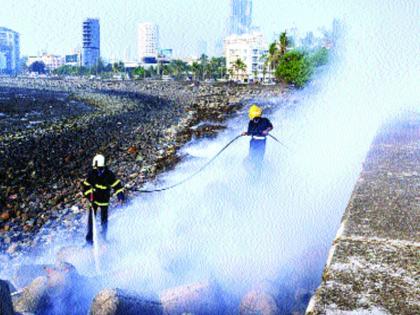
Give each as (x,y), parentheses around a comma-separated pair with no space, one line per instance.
(256,128)
(97,188)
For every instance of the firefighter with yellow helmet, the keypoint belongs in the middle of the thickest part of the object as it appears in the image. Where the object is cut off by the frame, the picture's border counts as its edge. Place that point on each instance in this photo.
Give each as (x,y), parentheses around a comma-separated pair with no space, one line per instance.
(258,129)
(97,189)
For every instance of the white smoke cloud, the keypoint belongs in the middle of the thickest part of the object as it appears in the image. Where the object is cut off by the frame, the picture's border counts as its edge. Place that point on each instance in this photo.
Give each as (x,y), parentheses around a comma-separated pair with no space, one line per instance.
(226,225)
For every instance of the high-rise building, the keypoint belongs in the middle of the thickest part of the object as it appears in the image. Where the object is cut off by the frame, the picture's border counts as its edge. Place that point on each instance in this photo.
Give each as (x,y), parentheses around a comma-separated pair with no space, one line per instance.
(148,42)
(240,19)
(9,51)
(91,42)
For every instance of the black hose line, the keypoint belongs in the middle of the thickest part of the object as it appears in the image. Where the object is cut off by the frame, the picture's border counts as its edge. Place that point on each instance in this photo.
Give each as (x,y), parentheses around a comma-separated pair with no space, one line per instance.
(193,174)
(277,140)
(199,170)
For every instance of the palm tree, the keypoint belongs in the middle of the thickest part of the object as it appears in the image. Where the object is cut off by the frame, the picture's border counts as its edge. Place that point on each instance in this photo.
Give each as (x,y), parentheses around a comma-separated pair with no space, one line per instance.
(273,55)
(231,72)
(272,59)
(204,67)
(178,68)
(238,67)
(195,69)
(284,43)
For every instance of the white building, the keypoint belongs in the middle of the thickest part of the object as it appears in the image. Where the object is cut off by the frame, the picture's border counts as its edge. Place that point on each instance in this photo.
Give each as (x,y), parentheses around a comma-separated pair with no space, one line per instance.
(51,61)
(148,42)
(251,49)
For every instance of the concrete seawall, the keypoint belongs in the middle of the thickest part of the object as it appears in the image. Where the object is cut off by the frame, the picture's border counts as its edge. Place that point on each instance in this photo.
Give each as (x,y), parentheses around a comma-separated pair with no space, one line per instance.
(374,264)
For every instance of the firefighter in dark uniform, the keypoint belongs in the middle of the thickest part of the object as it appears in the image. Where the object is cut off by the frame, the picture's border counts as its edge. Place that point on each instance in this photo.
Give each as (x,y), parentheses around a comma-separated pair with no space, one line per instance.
(258,129)
(97,189)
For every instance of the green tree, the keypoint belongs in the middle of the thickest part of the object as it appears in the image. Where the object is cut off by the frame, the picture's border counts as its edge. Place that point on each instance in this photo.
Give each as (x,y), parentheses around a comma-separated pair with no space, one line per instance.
(276,51)
(294,68)
(204,70)
(139,72)
(319,57)
(100,66)
(271,58)
(283,43)
(38,67)
(217,67)
(178,69)
(231,72)
(118,67)
(195,69)
(239,68)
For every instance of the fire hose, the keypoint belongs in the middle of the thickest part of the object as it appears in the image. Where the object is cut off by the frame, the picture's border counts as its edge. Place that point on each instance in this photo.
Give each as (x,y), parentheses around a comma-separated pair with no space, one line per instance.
(199,170)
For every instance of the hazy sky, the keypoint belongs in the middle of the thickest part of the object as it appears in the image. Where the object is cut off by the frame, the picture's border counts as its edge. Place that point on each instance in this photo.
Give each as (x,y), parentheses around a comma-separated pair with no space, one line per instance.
(56,25)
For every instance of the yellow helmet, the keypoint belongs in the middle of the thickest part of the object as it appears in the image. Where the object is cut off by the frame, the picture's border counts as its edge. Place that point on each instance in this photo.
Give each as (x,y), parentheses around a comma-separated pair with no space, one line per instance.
(254,112)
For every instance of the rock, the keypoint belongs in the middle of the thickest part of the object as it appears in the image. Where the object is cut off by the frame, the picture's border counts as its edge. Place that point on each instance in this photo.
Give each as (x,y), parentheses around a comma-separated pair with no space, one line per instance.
(34,298)
(119,302)
(12,248)
(198,298)
(12,288)
(25,274)
(260,300)
(53,294)
(67,287)
(5,216)
(6,305)
(132,150)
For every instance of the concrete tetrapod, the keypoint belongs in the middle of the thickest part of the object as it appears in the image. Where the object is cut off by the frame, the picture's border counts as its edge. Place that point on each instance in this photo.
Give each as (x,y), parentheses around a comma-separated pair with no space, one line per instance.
(120,302)
(260,300)
(197,298)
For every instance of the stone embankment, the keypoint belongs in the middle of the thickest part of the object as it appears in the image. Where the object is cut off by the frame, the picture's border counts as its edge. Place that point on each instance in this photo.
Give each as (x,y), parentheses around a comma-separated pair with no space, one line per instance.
(373,266)
(51,129)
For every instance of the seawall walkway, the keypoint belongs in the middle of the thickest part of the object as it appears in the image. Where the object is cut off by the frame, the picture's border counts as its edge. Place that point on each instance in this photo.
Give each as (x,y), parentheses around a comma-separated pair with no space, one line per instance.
(374,263)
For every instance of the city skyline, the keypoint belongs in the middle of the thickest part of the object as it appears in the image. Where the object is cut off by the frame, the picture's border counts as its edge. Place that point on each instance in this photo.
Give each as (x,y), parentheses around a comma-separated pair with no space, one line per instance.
(182,24)
(240,19)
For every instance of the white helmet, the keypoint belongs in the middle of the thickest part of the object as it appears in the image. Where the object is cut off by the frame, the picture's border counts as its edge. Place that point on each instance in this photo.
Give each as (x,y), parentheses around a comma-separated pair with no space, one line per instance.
(98,161)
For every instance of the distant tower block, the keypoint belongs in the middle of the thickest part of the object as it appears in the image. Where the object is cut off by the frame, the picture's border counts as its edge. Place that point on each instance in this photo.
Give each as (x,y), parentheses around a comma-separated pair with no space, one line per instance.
(91,42)
(148,41)
(240,19)
(9,51)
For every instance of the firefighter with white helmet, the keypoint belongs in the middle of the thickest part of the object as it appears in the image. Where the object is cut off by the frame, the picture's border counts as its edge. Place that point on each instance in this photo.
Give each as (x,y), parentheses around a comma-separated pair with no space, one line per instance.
(97,189)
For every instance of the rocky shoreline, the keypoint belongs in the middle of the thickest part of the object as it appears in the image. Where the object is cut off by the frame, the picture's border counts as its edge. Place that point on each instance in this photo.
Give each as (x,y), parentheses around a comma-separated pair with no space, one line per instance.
(138,125)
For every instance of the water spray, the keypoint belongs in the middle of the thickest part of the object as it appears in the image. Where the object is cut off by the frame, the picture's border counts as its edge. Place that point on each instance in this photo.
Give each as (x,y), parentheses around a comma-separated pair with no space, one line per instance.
(95,244)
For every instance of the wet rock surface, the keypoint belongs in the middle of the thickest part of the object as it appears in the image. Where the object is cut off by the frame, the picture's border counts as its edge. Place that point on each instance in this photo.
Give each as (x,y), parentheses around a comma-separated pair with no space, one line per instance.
(62,290)
(6,306)
(120,302)
(261,300)
(34,298)
(197,298)
(138,126)
(374,262)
